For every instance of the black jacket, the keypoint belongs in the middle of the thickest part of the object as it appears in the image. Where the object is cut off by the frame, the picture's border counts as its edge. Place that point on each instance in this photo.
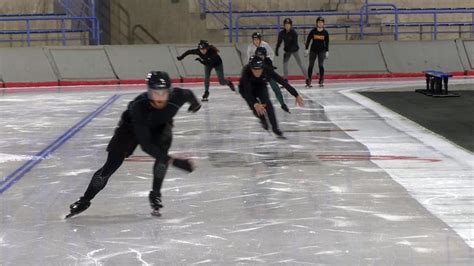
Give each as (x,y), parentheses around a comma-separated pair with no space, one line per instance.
(148,122)
(249,83)
(210,59)
(290,40)
(320,40)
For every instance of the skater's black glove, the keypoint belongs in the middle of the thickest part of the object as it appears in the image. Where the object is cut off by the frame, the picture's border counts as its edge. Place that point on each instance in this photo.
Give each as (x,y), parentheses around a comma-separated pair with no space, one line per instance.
(179,58)
(276,53)
(200,60)
(183,164)
(194,107)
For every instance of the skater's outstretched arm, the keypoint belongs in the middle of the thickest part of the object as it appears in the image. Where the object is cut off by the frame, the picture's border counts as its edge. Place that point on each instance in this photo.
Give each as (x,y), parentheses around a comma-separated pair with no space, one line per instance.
(188,52)
(273,75)
(187,96)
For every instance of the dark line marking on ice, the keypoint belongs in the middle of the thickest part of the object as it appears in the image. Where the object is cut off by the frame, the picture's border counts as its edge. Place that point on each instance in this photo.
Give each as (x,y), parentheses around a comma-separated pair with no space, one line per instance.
(14,177)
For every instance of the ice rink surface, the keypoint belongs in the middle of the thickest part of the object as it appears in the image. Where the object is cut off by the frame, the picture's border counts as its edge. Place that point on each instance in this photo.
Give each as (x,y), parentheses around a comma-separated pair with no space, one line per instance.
(354,184)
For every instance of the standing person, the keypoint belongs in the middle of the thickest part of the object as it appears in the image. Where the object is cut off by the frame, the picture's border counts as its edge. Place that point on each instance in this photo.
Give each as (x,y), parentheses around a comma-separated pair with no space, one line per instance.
(253,88)
(290,39)
(147,121)
(262,53)
(258,42)
(319,49)
(209,57)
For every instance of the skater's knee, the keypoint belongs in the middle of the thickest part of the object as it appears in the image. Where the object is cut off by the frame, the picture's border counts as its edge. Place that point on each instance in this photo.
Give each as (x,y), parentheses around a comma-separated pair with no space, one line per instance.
(99,181)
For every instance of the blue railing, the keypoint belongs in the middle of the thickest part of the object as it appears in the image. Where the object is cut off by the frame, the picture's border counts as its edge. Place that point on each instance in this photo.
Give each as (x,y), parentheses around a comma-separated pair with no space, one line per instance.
(80,15)
(63,30)
(83,8)
(364,12)
(362,16)
(434,12)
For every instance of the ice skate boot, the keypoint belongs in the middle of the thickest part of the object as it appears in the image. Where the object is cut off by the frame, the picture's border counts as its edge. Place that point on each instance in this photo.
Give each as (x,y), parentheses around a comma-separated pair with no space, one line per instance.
(231,85)
(285,108)
(155,203)
(278,134)
(78,207)
(205,96)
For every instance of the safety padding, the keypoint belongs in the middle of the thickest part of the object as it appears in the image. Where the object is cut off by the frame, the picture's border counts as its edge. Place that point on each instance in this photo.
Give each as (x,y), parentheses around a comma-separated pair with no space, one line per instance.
(22,66)
(132,62)
(418,56)
(469,49)
(354,57)
(89,64)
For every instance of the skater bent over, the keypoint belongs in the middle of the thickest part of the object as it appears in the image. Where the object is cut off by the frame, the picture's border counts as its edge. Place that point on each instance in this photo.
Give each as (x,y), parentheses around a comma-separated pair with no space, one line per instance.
(209,57)
(319,49)
(253,88)
(148,121)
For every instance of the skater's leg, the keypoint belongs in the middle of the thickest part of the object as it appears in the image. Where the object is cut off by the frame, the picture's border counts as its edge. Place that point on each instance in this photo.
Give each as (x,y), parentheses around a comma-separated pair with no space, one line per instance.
(321,57)
(97,183)
(159,172)
(160,168)
(265,99)
(300,64)
(122,145)
(312,58)
(222,80)
(101,176)
(278,95)
(286,58)
(207,78)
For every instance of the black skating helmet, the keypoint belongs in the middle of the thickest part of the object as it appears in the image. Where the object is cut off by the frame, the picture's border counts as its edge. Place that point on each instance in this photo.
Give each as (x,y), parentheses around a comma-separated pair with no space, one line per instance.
(287,21)
(257,35)
(256,62)
(261,51)
(158,80)
(319,19)
(203,44)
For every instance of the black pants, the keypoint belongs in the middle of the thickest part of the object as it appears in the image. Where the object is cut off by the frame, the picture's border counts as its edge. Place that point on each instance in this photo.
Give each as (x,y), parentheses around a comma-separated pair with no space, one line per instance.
(220,75)
(121,146)
(312,57)
(261,94)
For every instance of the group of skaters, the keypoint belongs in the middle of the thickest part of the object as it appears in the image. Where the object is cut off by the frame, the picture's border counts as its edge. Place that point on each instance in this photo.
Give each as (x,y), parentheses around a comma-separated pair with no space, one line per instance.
(148,119)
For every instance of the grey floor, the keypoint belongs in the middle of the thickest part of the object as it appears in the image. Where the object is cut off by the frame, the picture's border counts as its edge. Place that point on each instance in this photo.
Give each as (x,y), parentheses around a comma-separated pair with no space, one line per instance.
(354,184)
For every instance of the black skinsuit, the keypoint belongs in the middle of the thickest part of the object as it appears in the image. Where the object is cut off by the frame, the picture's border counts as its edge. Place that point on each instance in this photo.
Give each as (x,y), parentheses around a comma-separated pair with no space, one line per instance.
(254,90)
(145,125)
